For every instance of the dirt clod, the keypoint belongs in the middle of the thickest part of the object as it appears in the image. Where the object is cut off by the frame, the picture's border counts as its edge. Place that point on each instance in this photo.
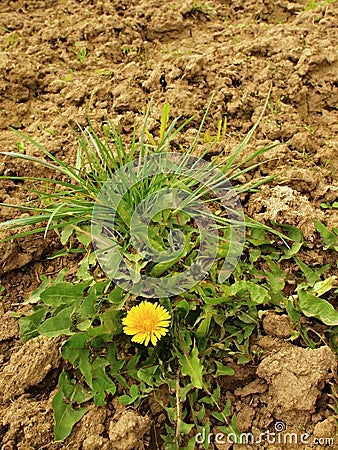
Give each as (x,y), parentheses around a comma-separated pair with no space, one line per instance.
(283,204)
(295,376)
(277,325)
(127,432)
(29,365)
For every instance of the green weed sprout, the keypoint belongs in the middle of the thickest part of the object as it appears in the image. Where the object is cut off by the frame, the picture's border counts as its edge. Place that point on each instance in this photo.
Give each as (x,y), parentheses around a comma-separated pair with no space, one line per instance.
(81,53)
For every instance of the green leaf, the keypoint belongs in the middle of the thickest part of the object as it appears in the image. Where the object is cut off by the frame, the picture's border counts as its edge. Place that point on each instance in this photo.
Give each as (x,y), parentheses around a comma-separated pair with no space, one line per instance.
(66,233)
(116,364)
(102,383)
(147,374)
(63,293)
(116,295)
(216,300)
(160,268)
(133,395)
(329,238)
(311,276)
(87,307)
(83,272)
(76,351)
(35,295)
(183,307)
(84,236)
(164,120)
(293,313)
(232,430)
(203,327)
(29,324)
(293,233)
(110,320)
(207,400)
(276,276)
(200,414)
(184,428)
(65,415)
(312,306)
(258,294)
(321,287)
(125,211)
(59,324)
(222,415)
(291,251)
(192,367)
(126,400)
(223,370)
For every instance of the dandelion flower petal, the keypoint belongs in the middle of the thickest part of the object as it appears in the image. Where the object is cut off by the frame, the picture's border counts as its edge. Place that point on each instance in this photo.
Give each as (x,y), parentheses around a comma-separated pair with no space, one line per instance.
(147,322)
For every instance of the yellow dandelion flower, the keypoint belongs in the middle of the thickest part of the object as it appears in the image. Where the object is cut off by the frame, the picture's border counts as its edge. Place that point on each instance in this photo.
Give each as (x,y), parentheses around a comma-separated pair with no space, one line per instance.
(147,321)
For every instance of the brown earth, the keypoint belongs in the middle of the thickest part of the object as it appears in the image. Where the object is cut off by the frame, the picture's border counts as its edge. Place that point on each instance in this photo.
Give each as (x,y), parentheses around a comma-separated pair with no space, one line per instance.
(233,50)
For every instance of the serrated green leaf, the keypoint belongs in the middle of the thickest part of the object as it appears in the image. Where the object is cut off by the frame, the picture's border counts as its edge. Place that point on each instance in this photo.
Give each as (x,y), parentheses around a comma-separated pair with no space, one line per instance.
(204,325)
(232,430)
(293,313)
(116,295)
(112,353)
(258,294)
(160,268)
(276,276)
(200,414)
(110,320)
(87,307)
(192,367)
(84,266)
(183,307)
(222,415)
(66,415)
(217,300)
(293,233)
